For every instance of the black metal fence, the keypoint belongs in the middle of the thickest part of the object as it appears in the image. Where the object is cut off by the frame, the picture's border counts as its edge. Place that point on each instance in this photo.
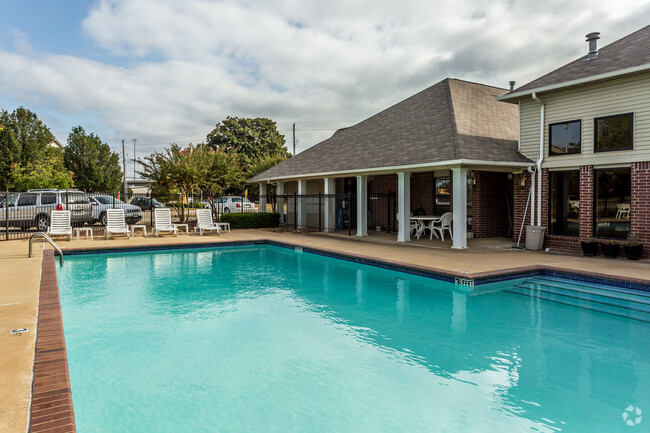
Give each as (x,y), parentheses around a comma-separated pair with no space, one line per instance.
(24,213)
(342,209)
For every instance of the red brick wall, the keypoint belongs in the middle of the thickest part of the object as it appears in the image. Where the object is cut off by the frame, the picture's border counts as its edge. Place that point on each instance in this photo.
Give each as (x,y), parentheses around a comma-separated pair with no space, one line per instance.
(379,208)
(489,204)
(640,206)
(520,196)
(586,202)
(422,193)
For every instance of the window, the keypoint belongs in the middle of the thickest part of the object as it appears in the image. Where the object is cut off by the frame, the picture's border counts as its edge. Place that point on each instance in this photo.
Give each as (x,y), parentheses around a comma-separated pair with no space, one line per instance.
(564,203)
(612,202)
(613,132)
(442,193)
(48,198)
(27,200)
(565,138)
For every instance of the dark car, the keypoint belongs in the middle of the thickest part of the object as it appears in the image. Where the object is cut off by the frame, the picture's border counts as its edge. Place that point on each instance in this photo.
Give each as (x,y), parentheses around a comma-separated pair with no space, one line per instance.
(146,203)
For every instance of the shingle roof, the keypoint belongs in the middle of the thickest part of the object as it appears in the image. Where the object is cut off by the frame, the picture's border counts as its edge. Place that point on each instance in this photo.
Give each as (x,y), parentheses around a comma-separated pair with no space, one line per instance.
(631,51)
(448,121)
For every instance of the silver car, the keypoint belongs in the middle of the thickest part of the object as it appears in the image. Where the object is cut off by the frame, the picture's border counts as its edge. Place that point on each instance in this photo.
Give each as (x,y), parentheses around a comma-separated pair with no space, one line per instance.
(233,203)
(102,202)
(33,208)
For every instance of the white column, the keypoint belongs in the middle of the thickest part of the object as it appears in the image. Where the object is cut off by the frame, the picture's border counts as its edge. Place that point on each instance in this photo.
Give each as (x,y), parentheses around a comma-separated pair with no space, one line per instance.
(262,196)
(302,215)
(329,210)
(362,205)
(279,193)
(460,207)
(403,207)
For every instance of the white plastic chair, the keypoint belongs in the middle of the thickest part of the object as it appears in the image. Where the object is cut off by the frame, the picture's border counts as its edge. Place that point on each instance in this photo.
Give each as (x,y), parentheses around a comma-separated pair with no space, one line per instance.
(115,224)
(445,224)
(204,222)
(60,224)
(623,211)
(163,222)
(414,225)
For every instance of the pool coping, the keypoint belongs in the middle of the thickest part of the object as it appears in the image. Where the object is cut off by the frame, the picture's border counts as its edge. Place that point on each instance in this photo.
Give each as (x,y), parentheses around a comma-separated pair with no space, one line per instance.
(51,401)
(51,406)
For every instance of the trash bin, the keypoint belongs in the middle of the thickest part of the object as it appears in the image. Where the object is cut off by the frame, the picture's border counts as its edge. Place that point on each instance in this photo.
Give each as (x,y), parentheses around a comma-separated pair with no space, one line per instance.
(535,237)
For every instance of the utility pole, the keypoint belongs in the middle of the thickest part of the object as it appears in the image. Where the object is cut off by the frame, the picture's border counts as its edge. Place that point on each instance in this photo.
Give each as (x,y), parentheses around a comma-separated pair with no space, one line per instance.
(294,139)
(134,140)
(124,169)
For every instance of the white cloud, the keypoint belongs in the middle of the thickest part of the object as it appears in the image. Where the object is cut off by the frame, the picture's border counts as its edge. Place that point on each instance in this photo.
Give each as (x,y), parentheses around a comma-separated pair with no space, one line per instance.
(187,65)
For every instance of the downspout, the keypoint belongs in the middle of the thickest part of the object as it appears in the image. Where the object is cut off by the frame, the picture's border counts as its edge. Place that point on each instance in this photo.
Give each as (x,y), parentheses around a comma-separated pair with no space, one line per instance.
(541,158)
(532,187)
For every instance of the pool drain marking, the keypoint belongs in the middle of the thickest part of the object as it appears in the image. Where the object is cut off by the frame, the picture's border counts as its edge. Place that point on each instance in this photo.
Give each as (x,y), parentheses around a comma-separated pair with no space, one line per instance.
(465,284)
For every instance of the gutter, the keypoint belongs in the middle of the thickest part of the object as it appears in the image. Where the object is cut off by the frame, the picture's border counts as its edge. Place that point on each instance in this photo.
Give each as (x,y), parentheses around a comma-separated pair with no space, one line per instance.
(394,169)
(510,97)
(538,164)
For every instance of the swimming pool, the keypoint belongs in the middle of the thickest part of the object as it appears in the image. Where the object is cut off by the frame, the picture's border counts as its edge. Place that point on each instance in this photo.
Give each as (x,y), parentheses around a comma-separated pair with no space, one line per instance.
(265,339)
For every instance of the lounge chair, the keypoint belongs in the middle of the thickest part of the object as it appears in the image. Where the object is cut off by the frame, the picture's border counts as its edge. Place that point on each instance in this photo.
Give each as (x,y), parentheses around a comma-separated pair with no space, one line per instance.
(445,224)
(115,224)
(163,222)
(204,222)
(60,224)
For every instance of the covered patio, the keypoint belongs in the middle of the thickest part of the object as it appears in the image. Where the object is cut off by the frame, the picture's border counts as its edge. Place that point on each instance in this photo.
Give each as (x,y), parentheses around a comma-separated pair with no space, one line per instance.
(454,136)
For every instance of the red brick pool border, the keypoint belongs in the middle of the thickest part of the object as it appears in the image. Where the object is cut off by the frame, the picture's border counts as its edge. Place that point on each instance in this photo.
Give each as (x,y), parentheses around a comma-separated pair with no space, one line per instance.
(51,407)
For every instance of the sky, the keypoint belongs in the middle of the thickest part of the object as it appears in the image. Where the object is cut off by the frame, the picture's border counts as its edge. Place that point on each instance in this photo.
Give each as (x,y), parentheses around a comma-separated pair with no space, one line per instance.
(167,71)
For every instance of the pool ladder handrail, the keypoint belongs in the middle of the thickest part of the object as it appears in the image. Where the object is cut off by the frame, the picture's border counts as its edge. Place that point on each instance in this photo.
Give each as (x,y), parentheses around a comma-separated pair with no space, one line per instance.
(47,238)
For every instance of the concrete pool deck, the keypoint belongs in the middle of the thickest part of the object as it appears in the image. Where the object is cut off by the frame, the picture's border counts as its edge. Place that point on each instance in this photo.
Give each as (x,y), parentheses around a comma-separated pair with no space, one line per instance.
(19,290)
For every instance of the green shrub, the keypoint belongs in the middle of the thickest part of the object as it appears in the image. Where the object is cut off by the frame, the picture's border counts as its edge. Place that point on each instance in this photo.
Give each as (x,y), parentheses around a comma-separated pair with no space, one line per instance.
(251,220)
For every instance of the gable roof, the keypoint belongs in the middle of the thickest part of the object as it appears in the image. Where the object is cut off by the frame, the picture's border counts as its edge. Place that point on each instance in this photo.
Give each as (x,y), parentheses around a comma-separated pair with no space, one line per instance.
(628,55)
(452,120)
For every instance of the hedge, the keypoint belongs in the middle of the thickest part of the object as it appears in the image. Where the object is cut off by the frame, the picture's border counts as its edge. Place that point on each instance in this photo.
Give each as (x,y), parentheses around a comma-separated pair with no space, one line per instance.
(251,220)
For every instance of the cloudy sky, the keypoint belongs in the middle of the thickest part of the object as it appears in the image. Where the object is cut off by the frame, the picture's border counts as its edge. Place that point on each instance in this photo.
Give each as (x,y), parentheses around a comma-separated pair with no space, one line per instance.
(163,71)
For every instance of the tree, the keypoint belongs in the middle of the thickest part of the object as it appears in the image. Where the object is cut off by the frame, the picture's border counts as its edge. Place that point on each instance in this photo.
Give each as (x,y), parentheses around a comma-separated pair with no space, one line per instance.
(253,140)
(24,139)
(45,173)
(95,167)
(190,170)
(261,165)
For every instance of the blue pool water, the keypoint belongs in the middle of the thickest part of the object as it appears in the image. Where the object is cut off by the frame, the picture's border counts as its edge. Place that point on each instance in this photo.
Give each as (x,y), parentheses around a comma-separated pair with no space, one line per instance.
(264,339)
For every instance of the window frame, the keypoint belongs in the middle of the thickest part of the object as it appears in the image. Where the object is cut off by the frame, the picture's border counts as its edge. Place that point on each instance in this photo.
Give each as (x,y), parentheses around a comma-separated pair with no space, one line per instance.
(550,135)
(596,119)
(595,202)
(549,214)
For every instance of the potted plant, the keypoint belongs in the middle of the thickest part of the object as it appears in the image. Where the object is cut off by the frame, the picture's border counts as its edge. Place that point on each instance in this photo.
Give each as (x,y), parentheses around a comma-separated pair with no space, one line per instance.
(589,247)
(633,248)
(610,249)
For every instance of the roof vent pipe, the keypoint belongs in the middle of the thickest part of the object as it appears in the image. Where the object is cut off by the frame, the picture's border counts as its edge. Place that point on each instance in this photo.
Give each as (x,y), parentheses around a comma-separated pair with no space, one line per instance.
(512,86)
(592,38)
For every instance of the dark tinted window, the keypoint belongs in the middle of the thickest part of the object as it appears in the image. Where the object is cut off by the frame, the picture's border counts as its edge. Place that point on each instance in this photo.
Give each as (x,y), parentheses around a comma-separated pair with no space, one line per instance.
(612,204)
(104,200)
(614,132)
(27,200)
(564,203)
(48,198)
(565,138)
